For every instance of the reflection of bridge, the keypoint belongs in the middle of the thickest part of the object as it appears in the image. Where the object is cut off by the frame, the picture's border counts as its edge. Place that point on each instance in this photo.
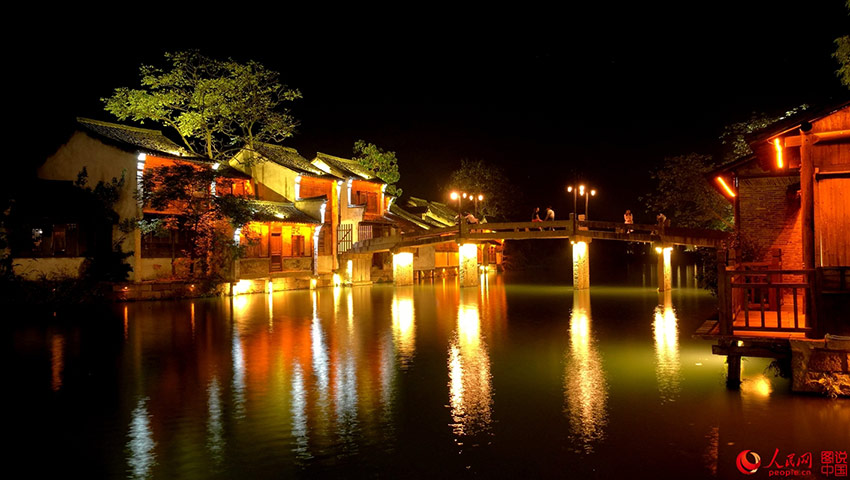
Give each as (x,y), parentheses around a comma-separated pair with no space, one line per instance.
(580,234)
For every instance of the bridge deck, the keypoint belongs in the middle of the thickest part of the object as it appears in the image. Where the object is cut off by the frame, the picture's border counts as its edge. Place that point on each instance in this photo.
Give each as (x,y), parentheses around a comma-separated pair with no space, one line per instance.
(474,233)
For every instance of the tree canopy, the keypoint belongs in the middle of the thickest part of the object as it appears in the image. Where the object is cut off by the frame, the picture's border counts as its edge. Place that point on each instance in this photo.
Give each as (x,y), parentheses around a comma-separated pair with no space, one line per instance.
(382,163)
(215,106)
(685,197)
(734,135)
(479,177)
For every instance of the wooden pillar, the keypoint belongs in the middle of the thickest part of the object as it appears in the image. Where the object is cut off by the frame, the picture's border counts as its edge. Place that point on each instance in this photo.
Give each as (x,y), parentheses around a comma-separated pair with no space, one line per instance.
(733,376)
(807,170)
(723,295)
(468,264)
(581,263)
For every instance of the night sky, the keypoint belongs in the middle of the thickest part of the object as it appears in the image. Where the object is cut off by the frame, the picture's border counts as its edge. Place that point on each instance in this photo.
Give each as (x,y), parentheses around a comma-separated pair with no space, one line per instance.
(602,92)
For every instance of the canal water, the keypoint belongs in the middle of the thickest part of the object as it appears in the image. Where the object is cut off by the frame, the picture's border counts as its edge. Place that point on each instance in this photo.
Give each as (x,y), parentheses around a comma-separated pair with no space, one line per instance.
(514,379)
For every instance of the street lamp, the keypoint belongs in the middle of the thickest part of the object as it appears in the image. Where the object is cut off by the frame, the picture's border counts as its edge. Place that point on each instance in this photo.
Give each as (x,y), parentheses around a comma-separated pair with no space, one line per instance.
(476,199)
(575,203)
(587,195)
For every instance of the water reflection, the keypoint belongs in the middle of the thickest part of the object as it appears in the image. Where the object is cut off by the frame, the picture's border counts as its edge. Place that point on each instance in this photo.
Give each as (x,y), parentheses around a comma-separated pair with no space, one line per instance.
(585,386)
(470,380)
(215,428)
(298,410)
(344,366)
(57,360)
(404,333)
(667,362)
(140,444)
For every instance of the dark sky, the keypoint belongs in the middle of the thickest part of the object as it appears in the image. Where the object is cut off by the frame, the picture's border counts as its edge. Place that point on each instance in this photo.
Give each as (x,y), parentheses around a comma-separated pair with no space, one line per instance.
(601,92)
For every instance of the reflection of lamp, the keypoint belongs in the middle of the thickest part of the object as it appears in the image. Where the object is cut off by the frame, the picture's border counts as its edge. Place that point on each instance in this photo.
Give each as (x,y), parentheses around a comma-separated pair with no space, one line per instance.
(470,381)
(585,387)
(404,332)
(667,363)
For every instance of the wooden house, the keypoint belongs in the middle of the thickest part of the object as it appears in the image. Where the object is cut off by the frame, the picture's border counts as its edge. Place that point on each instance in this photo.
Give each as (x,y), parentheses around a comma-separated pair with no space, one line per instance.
(787,279)
(348,200)
(106,151)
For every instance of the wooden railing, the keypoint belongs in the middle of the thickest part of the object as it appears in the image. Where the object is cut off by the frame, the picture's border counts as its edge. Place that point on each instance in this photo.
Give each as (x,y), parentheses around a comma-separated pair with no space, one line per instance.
(765,293)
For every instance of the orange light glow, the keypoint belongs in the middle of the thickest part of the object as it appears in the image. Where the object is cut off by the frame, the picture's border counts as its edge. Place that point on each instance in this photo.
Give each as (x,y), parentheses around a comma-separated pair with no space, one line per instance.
(726,187)
(776,144)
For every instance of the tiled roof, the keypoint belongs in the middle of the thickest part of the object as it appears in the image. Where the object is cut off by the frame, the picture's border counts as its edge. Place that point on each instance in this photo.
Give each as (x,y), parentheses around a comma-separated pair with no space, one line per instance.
(227,171)
(281,212)
(345,167)
(135,139)
(416,220)
(438,213)
(287,157)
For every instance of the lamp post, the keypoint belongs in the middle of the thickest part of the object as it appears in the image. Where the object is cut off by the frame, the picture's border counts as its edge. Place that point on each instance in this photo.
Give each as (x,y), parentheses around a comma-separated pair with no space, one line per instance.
(476,199)
(575,203)
(591,193)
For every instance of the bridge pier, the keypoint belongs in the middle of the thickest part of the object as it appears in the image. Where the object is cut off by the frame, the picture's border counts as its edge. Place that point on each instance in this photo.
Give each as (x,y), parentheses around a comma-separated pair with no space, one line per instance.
(402,268)
(665,269)
(467,264)
(581,263)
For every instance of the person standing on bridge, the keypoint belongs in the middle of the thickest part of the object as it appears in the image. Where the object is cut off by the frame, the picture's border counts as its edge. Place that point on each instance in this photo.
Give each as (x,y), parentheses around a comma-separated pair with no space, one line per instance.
(661,219)
(550,215)
(628,219)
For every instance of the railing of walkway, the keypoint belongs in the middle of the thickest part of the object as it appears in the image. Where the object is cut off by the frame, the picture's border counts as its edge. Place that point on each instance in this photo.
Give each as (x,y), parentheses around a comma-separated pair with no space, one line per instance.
(767,301)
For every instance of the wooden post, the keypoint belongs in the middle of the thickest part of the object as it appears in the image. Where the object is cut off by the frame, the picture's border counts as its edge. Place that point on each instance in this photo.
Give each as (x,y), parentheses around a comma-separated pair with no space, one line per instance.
(807,170)
(733,376)
(723,296)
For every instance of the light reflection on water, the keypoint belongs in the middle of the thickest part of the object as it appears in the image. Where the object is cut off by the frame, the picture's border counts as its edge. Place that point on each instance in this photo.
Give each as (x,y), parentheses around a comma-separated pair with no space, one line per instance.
(666,330)
(585,387)
(390,380)
(141,457)
(404,326)
(470,380)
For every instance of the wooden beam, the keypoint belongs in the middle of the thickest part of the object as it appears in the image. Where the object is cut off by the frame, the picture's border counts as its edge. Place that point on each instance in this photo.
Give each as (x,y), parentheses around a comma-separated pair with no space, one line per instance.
(819,137)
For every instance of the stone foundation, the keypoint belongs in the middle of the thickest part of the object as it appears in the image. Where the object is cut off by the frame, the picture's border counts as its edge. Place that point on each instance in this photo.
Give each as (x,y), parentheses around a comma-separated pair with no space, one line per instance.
(821,366)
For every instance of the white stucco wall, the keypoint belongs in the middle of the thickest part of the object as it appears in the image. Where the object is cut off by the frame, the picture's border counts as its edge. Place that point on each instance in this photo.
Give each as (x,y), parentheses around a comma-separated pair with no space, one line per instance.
(103,163)
(47,268)
(278,178)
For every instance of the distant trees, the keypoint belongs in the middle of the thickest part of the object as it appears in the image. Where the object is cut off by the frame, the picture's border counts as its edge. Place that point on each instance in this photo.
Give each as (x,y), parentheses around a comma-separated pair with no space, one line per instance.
(215,106)
(382,163)
(685,197)
(478,176)
(842,55)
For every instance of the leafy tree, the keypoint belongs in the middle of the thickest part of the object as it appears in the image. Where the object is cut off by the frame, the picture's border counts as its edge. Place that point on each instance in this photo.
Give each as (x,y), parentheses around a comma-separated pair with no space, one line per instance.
(734,135)
(685,197)
(184,191)
(382,163)
(215,106)
(842,54)
(477,176)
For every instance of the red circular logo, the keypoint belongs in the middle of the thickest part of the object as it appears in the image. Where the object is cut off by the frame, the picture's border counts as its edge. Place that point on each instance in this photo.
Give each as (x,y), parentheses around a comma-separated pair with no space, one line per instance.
(744,465)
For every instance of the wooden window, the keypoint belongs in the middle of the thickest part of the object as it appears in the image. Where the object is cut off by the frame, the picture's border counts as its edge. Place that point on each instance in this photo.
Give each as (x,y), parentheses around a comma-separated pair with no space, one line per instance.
(256,241)
(364,232)
(371,202)
(298,245)
(344,239)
